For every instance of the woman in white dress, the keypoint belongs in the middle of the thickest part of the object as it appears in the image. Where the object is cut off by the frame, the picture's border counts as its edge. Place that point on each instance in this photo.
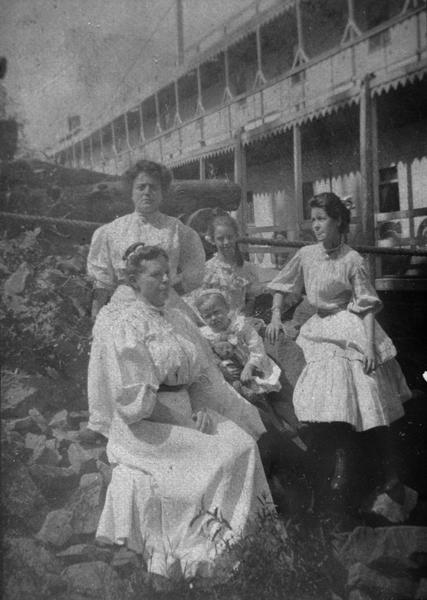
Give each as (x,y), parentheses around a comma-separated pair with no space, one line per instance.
(187,476)
(148,182)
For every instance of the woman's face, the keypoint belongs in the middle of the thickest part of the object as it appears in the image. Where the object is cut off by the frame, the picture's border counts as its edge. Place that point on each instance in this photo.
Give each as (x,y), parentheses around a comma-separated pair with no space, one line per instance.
(153,281)
(225,239)
(214,312)
(325,228)
(146,194)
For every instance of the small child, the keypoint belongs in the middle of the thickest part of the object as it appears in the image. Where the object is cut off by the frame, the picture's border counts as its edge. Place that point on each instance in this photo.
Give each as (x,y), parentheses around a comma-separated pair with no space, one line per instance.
(241,356)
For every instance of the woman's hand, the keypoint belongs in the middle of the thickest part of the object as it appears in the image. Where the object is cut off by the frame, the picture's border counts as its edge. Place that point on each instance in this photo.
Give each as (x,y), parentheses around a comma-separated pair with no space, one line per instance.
(273,330)
(202,421)
(247,373)
(370,361)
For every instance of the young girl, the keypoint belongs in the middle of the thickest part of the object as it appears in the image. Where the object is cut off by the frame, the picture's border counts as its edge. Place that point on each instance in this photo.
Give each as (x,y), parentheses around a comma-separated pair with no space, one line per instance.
(227,271)
(351,380)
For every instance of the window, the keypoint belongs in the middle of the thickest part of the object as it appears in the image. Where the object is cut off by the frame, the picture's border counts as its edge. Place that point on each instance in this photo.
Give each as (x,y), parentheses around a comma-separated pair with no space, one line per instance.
(250,212)
(389,190)
(307,195)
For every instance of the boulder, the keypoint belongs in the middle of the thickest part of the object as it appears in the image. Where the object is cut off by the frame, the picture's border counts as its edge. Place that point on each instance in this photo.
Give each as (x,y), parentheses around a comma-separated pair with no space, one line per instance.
(56,529)
(33,440)
(22,392)
(85,553)
(21,498)
(393,547)
(45,453)
(60,420)
(39,419)
(86,504)
(30,553)
(83,460)
(93,580)
(24,425)
(54,480)
(77,416)
(381,586)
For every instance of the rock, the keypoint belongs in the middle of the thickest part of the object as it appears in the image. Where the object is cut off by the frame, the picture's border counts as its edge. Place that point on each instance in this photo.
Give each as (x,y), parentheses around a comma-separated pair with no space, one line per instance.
(54,480)
(39,419)
(33,440)
(30,570)
(76,417)
(56,529)
(105,470)
(21,498)
(15,283)
(359,595)
(32,554)
(21,392)
(392,509)
(85,553)
(84,460)
(60,420)
(381,586)
(421,593)
(393,547)
(45,453)
(65,438)
(24,425)
(86,504)
(94,580)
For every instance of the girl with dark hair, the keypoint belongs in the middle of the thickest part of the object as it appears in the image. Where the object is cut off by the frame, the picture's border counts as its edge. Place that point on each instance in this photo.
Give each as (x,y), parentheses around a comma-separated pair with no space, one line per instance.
(227,270)
(351,381)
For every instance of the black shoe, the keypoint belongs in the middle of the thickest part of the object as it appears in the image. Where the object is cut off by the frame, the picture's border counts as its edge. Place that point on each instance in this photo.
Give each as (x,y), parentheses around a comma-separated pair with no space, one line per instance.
(339,479)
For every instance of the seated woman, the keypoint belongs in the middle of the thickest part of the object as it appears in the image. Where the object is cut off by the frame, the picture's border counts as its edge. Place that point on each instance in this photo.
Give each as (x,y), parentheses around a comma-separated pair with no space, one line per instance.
(182,442)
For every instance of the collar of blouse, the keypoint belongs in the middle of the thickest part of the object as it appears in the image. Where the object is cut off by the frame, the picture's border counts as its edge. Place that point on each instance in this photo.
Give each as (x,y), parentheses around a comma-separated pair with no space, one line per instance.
(151,219)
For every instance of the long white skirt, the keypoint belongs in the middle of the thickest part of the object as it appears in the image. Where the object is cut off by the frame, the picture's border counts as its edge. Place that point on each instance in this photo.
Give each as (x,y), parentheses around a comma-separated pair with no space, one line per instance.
(333,385)
(178,496)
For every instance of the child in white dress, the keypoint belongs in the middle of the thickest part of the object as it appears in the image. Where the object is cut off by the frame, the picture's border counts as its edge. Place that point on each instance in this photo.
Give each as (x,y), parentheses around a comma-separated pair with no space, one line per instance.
(351,381)
(240,354)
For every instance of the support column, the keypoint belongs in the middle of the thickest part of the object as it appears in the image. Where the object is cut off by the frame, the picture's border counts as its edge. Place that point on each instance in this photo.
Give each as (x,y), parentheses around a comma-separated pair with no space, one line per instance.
(177,120)
(368,155)
(179,32)
(199,108)
(300,56)
(113,139)
(227,92)
(91,151)
(158,128)
(73,150)
(296,215)
(351,30)
(259,77)
(129,147)
(240,177)
(202,168)
(141,125)
(82,153)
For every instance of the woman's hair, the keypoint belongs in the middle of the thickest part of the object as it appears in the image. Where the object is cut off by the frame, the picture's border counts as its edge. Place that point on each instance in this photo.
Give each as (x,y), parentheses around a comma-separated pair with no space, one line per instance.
(138,253)
(149,167)
(226,221)
(203,295)
(334,208)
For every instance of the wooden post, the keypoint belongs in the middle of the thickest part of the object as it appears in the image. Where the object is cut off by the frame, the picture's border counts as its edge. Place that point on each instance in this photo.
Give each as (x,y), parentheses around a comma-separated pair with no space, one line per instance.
(73,150)
(129,147)
(227,92)
(141,124)
(367,139)
(199,108)
(91,151)
(179,32)
(296,213)
(177,119)
(202,168)
(158,128)
(241,179)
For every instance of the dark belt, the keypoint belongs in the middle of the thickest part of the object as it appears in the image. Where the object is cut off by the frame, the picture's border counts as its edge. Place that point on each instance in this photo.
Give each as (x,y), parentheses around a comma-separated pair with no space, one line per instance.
(171,388)
(327,313)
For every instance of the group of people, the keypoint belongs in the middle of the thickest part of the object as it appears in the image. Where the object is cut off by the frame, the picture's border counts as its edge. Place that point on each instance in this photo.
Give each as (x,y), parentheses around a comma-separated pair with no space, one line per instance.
(178,375)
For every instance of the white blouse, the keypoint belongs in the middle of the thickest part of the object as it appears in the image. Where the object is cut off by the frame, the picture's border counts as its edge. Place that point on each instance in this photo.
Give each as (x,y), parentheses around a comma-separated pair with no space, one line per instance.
(332,281)
(109,242)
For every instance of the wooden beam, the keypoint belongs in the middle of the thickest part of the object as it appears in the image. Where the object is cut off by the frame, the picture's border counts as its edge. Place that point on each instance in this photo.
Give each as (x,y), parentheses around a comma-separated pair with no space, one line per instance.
(296,212)
(202,168)
(367,151)
(240,177)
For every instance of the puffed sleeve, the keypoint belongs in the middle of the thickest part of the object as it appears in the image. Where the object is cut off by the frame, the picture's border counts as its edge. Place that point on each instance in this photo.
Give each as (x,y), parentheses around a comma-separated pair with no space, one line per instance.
(364,298)
(290,280)
(99,264)
(121,370)
(191,259)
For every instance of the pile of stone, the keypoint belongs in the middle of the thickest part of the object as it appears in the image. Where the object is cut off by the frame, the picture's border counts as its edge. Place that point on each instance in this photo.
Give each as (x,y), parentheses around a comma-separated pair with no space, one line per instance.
(53,491)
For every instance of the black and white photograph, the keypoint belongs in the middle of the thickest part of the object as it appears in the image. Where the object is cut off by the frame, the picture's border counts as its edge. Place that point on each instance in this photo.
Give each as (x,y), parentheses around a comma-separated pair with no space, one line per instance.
(213,299)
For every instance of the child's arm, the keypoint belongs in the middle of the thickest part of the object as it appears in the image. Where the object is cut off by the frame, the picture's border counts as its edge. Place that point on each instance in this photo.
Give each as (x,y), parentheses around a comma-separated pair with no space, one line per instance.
(370,362)
(275,325)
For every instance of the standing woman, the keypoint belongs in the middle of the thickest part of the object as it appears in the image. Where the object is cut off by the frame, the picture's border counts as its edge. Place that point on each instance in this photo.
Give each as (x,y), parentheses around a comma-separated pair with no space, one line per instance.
(351,380)
(147,182)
